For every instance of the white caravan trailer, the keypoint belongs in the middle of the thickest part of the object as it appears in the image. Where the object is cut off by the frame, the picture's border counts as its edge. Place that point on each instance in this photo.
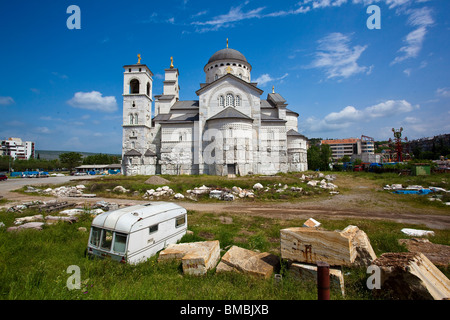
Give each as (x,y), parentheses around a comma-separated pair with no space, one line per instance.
(135,233)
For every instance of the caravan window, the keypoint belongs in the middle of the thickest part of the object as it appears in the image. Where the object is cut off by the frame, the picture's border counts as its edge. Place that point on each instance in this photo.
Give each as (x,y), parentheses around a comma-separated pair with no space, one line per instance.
(153,229)
(180,221)
(106,239)
(95,236)
(120,242)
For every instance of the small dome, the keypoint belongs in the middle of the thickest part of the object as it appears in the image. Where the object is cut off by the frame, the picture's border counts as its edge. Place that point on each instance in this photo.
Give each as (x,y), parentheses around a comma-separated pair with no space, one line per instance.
(226,54)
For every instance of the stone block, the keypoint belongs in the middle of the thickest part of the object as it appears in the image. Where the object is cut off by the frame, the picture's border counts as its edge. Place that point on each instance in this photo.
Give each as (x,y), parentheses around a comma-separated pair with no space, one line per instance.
(248,262)
(196,257)
(308,272)
(310,245)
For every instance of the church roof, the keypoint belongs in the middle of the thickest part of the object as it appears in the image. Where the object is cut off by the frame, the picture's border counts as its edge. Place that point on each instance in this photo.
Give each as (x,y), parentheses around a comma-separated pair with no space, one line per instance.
(294,133)
(133,152)
(227,54)
(267,118)
(187,104)
(166,118)
(276,98)
(149,153)
(264,104)
(230,113)
(228,75)
(290,111)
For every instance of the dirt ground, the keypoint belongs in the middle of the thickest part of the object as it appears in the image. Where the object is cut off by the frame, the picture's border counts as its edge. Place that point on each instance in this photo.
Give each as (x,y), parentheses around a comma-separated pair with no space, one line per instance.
(361,199)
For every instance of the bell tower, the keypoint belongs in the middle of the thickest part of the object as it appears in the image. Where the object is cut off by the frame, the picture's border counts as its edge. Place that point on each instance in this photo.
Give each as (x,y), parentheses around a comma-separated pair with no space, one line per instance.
(137,116)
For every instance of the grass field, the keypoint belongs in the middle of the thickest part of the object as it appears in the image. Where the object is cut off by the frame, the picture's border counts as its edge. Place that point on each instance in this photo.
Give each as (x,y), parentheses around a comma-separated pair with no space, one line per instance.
(33,264)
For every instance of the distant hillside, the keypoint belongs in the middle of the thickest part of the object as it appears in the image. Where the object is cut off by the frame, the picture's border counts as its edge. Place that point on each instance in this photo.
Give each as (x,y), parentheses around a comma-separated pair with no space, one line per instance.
(51,155)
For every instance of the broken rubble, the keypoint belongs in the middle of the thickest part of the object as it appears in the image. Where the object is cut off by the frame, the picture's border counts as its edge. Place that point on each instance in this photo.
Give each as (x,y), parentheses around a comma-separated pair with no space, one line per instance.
(258,186)
(120,189)
(438,254)
(29,225)
(37,217)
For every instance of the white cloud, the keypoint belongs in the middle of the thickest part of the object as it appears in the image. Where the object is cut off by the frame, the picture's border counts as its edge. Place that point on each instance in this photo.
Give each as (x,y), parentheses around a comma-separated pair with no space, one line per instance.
(4,101)
(93,101)
(266,78)
(349,116)
(225,20)
(236,14)
(42,130)
(443,92)
(337,57)
(388,108)
(422,19)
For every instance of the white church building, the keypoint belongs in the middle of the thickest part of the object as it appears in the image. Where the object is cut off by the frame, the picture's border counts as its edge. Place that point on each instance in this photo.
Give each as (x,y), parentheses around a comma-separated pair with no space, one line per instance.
(230,130)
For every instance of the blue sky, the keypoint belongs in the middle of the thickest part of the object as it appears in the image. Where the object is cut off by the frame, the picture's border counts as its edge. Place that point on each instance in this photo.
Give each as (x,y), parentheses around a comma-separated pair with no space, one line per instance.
(62,88)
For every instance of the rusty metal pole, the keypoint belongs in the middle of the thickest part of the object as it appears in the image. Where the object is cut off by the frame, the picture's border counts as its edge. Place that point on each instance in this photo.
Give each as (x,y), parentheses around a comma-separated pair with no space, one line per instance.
(323,281)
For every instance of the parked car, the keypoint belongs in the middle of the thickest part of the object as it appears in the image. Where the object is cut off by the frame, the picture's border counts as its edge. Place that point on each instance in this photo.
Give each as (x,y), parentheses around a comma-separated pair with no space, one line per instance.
(3,177)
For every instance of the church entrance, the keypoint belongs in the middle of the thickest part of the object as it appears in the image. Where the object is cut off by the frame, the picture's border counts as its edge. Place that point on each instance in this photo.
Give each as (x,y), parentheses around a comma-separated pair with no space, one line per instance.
(231,168)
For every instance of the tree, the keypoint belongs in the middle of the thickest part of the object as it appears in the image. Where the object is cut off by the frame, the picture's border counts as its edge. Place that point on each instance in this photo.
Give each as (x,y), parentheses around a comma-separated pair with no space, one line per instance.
(319,157)
(70,160)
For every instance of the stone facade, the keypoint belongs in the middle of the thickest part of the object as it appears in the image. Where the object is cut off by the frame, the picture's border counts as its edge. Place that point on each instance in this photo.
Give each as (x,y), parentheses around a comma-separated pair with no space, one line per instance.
(229,130)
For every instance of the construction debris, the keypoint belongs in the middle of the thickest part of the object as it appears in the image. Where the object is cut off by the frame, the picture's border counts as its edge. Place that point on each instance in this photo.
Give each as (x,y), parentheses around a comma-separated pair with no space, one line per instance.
(157,181)
(364,251)
(248,262)
(308,272)
(413,276)
(56,219)
(28,225)
(417,233)
(196,257)
(312,223)
(438,254)
(37,217)
(308,245)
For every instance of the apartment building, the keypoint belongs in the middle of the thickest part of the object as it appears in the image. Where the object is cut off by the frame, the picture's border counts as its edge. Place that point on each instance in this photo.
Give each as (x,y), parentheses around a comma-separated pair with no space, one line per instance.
(350,147)
(17,149)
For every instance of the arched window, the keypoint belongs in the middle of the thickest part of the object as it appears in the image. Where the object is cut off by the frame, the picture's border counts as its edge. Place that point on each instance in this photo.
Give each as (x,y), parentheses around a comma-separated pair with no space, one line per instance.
(221,101)
(133,145)
(136,118)
(230,100)
(131,118)
(237,101)
(148,88)
(216,77)
(134,86)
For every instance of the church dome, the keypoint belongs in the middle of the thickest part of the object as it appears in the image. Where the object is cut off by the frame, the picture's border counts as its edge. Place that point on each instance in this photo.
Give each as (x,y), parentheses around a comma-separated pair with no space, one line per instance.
(227,54)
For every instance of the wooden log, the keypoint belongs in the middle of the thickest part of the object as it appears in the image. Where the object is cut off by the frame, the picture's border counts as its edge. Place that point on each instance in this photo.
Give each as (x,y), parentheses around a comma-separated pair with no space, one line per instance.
(309,245)
(413,276)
